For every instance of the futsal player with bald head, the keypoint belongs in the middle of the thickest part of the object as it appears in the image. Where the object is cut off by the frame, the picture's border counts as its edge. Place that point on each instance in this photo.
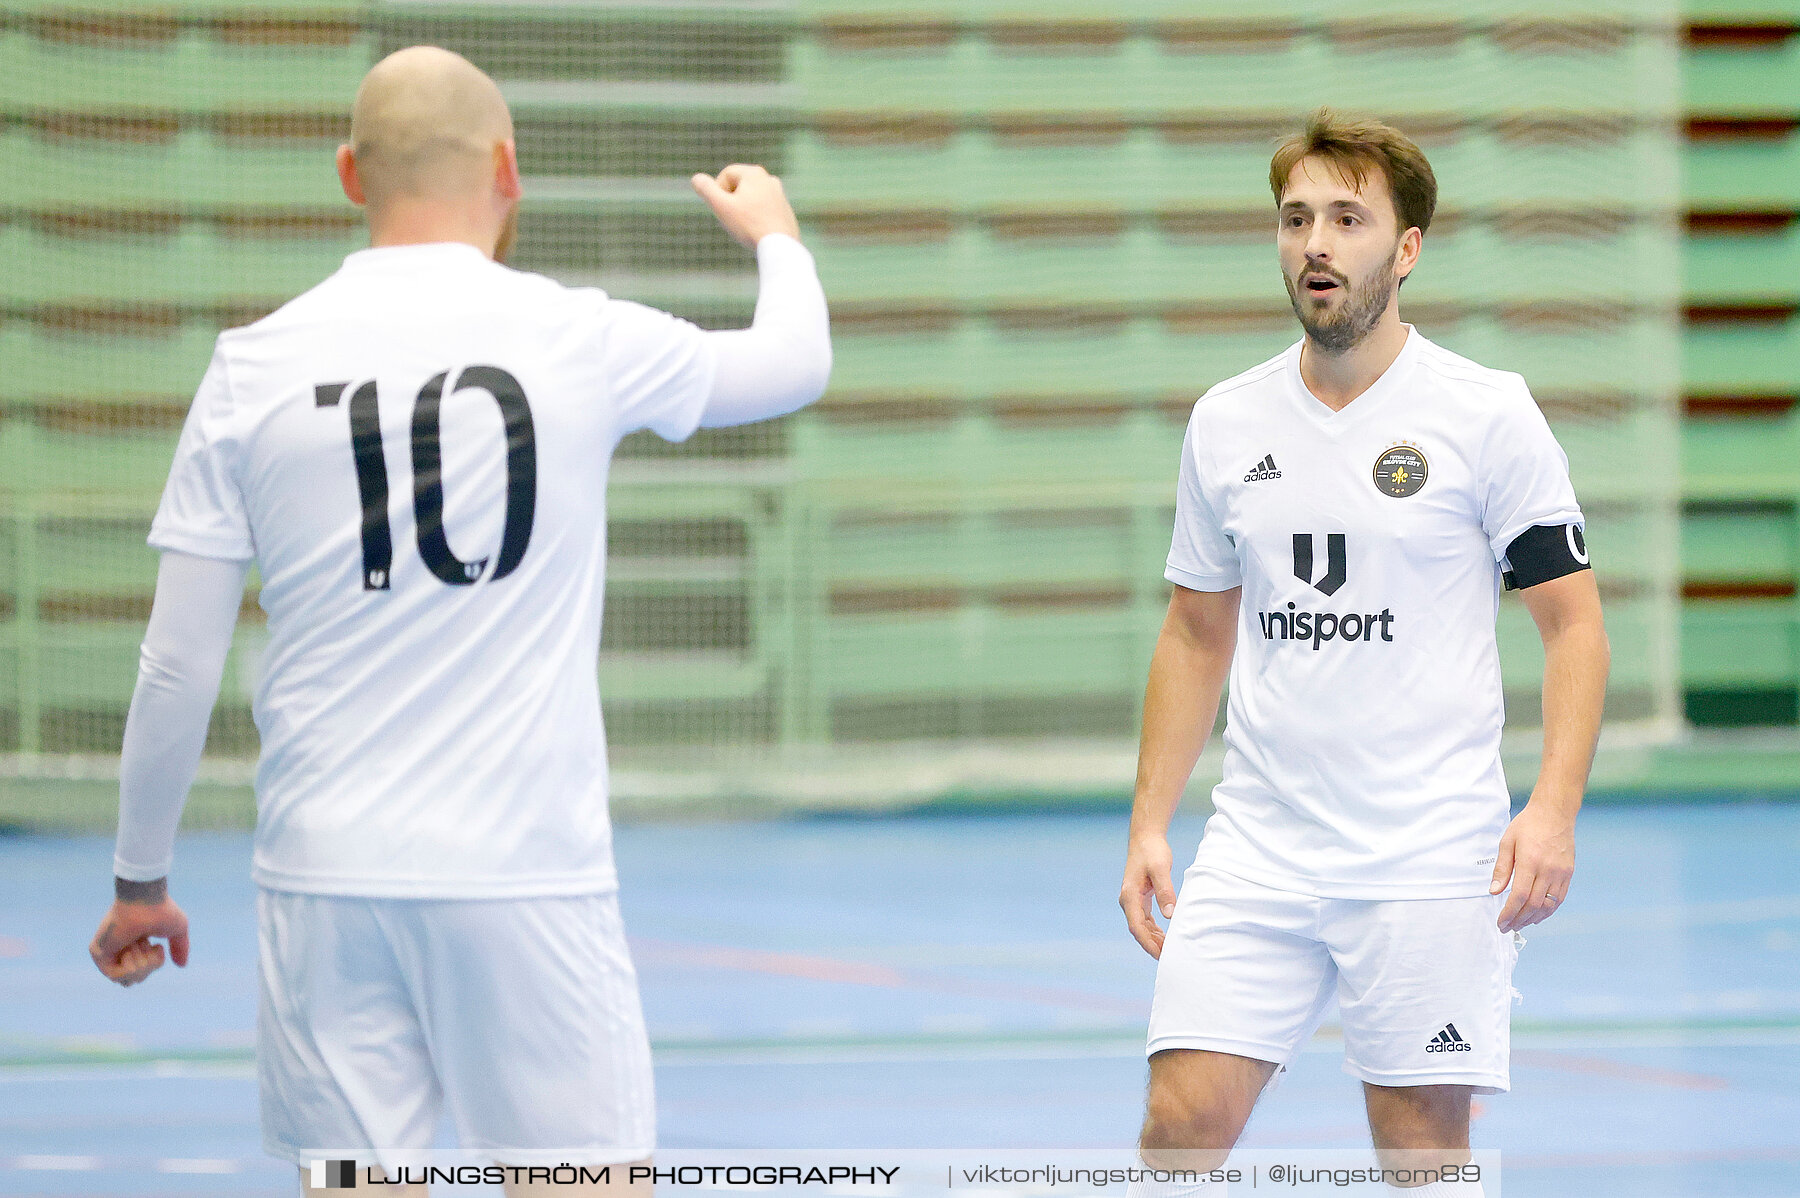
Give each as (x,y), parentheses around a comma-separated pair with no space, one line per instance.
(414,454)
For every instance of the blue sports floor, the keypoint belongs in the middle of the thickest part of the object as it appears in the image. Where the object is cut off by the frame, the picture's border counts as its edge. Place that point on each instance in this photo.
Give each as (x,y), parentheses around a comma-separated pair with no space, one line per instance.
(958,981)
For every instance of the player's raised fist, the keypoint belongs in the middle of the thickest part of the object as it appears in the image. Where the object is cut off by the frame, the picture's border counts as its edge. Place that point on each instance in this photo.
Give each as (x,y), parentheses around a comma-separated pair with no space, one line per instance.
(749,202)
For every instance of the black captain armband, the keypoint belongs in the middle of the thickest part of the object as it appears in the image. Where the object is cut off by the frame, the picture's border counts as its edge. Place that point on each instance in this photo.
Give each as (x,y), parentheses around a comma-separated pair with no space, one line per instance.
(1542,553)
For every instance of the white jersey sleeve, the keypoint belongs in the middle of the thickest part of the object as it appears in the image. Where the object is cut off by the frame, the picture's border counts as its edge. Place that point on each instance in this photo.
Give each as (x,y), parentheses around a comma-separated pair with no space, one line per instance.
(659,368)
(1201,556)
(179,667)
(1523,475)
(202,510)
(782,361)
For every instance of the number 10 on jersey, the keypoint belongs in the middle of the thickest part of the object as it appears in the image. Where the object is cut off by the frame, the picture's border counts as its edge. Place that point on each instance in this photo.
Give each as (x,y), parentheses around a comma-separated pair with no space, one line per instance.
(428,476)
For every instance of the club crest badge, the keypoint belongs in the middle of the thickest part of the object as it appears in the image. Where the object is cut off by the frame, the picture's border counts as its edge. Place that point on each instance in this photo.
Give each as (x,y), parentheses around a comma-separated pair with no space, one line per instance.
(1401,470)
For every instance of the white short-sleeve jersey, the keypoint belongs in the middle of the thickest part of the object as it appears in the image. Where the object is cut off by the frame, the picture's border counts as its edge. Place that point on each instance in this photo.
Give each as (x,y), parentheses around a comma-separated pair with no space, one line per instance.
(415,453)
(1363,727)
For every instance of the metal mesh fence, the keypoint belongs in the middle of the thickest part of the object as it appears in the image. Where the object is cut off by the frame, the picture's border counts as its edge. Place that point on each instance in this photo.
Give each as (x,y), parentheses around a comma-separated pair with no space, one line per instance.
(1044,228)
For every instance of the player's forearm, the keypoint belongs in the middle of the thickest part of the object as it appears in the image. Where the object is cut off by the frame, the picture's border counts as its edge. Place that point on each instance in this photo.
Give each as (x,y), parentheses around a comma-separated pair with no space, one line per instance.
(179,669)
(165,734)
(1576,660)
(1181,703)
(782,361)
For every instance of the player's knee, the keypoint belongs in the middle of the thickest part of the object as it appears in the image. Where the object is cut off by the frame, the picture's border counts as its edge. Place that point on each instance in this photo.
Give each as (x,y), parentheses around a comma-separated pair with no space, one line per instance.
(1421,1144)
(1188,1130)
(1428,1120)
(1422,1138)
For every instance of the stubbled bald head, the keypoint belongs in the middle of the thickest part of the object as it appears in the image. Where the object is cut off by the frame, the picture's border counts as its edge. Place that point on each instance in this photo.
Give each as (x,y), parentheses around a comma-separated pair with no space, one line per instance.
(425,124)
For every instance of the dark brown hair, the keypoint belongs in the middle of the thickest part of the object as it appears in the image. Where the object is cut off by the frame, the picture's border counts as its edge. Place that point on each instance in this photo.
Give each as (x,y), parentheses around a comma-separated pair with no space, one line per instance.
(1353,148)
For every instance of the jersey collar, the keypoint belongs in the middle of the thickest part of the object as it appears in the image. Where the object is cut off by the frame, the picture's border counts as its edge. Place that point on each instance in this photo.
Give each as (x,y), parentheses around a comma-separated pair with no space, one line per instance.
(412,257)
(1392,380)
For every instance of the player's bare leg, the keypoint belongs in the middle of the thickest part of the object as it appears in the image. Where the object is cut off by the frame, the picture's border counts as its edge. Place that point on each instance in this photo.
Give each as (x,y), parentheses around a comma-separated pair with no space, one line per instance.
(1198,1105)
(619,1187)
(306,1188)
(1419,1127)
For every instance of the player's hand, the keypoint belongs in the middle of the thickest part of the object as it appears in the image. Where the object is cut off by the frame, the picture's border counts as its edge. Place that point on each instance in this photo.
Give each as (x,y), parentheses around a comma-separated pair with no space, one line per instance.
(1538,854)
(122,948)
(749,202)
(1147,878)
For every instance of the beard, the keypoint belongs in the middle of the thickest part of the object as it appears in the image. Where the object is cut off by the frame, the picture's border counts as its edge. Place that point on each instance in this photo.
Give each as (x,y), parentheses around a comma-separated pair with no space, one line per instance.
(509,233)
(1355,319)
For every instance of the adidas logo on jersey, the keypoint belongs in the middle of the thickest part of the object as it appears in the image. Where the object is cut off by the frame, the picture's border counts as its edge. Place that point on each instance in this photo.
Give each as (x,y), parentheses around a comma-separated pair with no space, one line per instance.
(1263,471)
(1448,1040)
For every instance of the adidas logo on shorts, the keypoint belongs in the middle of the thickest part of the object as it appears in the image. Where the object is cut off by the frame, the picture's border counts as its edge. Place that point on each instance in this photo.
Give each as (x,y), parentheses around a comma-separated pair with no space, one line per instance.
(1448,1040)
(1263,471)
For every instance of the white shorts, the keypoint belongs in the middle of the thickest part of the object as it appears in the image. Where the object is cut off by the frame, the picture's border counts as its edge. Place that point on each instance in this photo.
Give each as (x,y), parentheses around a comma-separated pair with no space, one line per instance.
(1424,986)
(520,1016)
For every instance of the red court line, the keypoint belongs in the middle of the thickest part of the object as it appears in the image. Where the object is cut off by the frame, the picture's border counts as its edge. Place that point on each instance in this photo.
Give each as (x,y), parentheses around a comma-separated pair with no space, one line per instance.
(860,973)
(1624,1071)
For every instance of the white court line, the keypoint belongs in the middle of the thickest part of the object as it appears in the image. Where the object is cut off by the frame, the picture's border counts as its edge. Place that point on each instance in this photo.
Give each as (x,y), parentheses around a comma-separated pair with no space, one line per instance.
(41,1163)
(115,1071)
(1123,1046)
(1133,1048)
(860,1054)
(56,1164)
(196,1165)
